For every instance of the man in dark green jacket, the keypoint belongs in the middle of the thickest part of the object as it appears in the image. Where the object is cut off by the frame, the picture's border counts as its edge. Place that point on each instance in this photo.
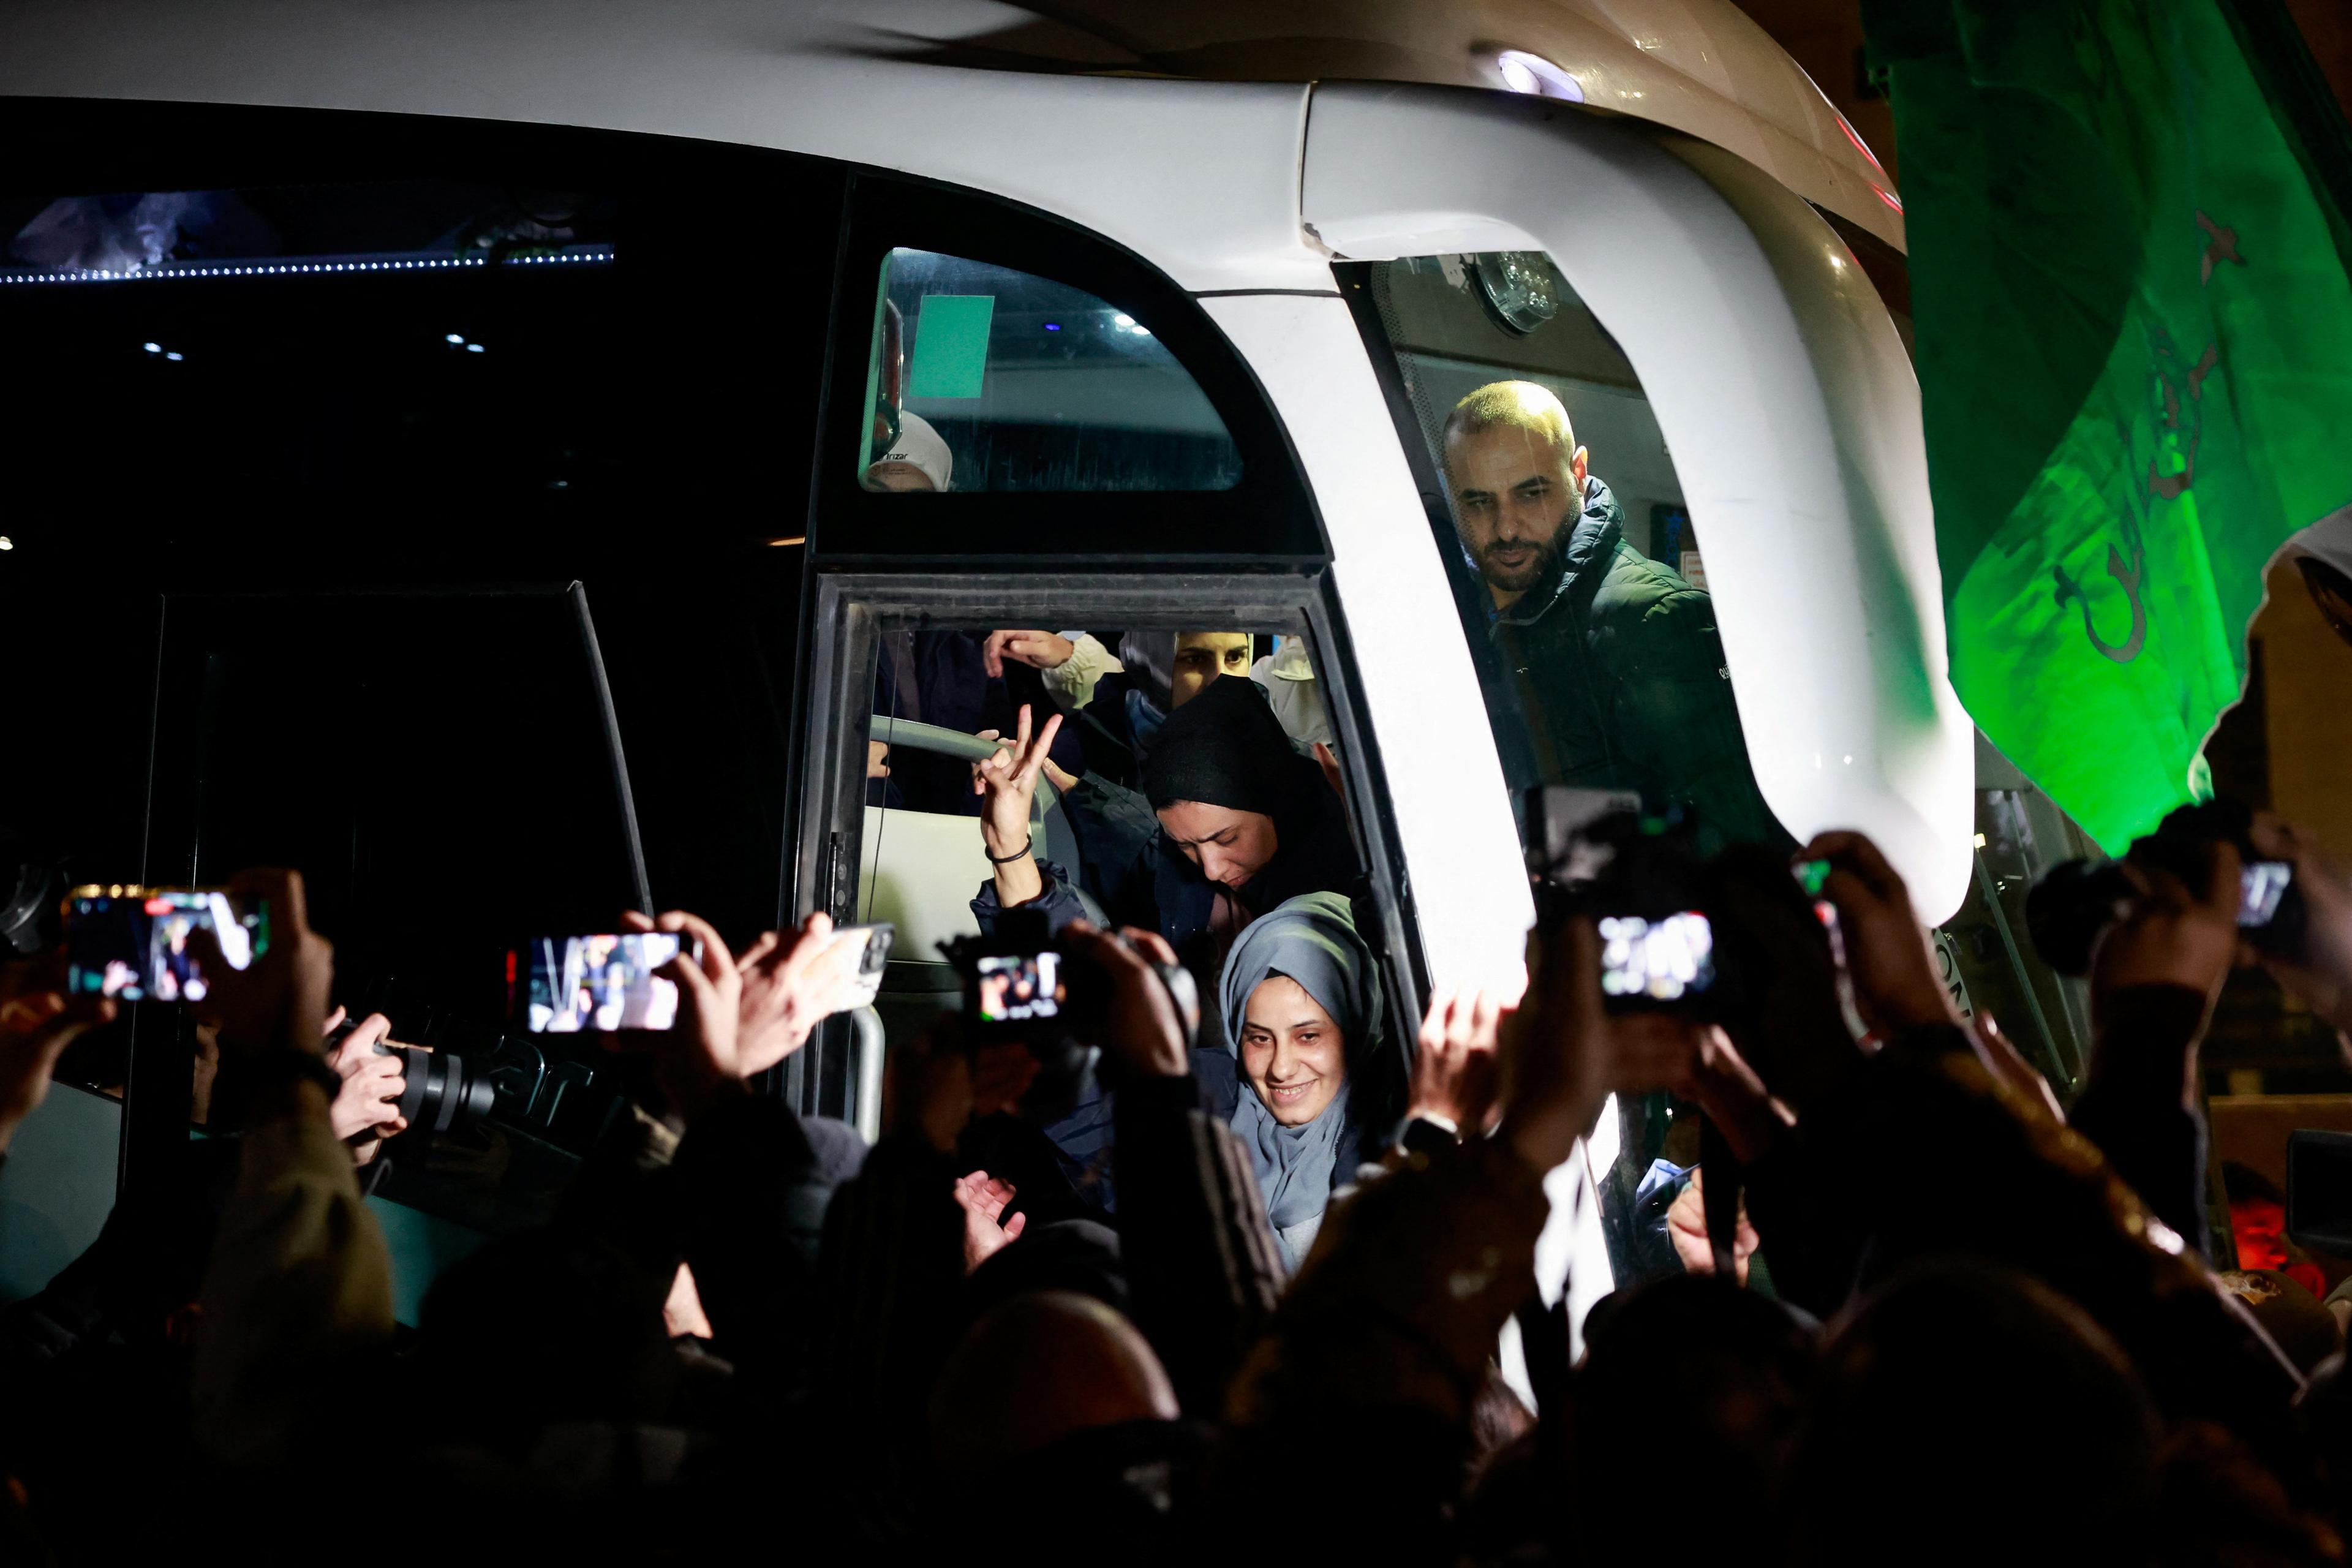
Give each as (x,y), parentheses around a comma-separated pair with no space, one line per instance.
(1608,660)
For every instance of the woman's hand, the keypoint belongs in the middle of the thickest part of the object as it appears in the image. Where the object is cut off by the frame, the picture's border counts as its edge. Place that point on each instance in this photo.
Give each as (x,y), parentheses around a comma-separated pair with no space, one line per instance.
(1006,783)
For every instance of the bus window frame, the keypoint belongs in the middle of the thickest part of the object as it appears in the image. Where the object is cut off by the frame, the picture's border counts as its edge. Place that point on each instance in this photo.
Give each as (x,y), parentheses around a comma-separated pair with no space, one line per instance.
(853,608)
(1268,516)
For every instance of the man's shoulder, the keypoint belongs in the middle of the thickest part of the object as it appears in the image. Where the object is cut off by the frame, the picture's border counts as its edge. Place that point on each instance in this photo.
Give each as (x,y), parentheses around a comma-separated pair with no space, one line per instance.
(1635,585)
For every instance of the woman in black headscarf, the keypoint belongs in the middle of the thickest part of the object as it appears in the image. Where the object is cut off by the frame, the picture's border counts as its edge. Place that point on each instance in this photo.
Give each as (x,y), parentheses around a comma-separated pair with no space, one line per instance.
(1245,822)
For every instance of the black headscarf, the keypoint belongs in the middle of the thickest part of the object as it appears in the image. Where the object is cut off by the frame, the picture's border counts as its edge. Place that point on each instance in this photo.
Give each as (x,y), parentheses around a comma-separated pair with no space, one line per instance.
(1226,748)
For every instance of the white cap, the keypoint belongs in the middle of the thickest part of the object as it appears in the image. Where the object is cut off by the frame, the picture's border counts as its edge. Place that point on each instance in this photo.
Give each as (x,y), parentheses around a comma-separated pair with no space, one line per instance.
(920,447)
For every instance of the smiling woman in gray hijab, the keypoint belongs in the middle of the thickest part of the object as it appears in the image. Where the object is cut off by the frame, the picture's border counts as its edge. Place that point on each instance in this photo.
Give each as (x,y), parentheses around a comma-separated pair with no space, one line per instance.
(1302,1007)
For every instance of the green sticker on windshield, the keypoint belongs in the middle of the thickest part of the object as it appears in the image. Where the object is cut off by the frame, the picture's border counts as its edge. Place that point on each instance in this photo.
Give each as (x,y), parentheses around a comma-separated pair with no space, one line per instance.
(950,345)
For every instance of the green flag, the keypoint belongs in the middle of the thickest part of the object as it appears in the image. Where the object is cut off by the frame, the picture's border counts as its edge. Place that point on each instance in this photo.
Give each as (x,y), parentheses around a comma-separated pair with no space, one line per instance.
(2133,337)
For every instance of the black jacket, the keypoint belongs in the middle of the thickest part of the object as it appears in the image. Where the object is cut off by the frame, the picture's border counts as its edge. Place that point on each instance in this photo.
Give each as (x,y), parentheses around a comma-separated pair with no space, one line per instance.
(1612,665)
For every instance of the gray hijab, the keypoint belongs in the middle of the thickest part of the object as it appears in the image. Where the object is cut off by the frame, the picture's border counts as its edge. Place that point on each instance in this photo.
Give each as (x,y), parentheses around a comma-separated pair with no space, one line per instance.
(1311,939)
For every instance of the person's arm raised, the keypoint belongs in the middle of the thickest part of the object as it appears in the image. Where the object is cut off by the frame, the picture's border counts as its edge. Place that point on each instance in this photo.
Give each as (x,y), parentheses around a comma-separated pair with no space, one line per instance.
(697,1059)
(298,1283)
(1201,1265)
(1006,782)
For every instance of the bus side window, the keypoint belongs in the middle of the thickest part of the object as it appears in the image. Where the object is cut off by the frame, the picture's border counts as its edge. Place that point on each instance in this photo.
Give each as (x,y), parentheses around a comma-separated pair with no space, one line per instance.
(985,378)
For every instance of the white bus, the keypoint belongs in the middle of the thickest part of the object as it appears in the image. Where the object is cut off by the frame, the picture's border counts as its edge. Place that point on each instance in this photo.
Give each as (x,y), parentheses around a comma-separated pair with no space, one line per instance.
(517,420)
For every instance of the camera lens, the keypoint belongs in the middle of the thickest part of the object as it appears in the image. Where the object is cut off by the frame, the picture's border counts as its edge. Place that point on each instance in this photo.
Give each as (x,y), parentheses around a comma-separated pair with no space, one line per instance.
(441,1093)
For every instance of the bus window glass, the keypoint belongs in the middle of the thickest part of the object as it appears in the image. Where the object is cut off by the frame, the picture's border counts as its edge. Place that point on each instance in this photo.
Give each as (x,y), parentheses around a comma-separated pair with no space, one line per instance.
(1146,719)
(984,378)
(1580,577)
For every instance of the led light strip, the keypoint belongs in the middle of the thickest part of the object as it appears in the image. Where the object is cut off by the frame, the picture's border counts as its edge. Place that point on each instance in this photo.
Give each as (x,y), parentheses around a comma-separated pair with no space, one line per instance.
(264,269)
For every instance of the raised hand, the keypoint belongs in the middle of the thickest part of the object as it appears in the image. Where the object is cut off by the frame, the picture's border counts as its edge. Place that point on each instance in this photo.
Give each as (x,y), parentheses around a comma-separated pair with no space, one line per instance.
(2176,932)
(1555,1046)
(1141,1031)
(793,980)
(986,1233)
(278,1001)
(1038,650)
(1454,1075)
(1006,782)
(1887,954)
(697,1058)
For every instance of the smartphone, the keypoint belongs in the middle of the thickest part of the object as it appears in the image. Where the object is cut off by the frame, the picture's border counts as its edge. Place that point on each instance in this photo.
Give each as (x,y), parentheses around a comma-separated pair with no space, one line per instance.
(1644,960)
(1013,988)
(132,942)
(603,982)
(876,938)
(2260,885)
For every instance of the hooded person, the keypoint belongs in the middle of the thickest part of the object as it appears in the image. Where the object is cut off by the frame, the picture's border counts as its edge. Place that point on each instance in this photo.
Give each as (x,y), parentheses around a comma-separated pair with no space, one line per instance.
(1302,1006)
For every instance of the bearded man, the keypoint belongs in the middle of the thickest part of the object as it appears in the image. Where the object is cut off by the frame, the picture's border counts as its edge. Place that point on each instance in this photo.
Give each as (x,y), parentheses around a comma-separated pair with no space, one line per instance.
(1609,660)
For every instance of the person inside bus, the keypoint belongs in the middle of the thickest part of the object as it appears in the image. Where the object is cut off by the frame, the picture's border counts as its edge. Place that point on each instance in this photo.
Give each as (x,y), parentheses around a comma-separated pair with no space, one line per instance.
(1244,822)
(939,676)
(1117,705)
(1301,996)
(1609,660)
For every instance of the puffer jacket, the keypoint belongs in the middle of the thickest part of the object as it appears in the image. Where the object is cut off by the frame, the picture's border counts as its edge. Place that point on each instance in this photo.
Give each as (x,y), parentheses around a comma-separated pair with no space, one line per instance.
(1612,666)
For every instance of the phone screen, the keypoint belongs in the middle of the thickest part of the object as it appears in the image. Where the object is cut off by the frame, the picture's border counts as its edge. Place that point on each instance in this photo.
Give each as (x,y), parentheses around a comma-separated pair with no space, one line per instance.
(2260,886)
(1657,960)
(1015,988)
(132,943)
(600,983)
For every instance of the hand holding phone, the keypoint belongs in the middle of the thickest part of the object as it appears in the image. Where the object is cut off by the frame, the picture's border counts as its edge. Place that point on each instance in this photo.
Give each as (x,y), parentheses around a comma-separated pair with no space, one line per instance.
(602,983)
(793,980)
(131,943)
(1657,963)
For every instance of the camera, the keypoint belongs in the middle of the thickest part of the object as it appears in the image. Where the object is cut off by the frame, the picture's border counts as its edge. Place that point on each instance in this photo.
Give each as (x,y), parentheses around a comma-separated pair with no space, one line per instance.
(2075,901)
(1022,987)
(451,1092)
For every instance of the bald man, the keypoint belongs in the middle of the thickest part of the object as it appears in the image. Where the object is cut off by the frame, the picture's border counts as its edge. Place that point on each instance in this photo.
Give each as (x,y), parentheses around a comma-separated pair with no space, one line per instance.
(1608,660)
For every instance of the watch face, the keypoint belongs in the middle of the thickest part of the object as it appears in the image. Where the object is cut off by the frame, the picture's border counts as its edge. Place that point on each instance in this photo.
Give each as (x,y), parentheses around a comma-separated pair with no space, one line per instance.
(1520,287)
